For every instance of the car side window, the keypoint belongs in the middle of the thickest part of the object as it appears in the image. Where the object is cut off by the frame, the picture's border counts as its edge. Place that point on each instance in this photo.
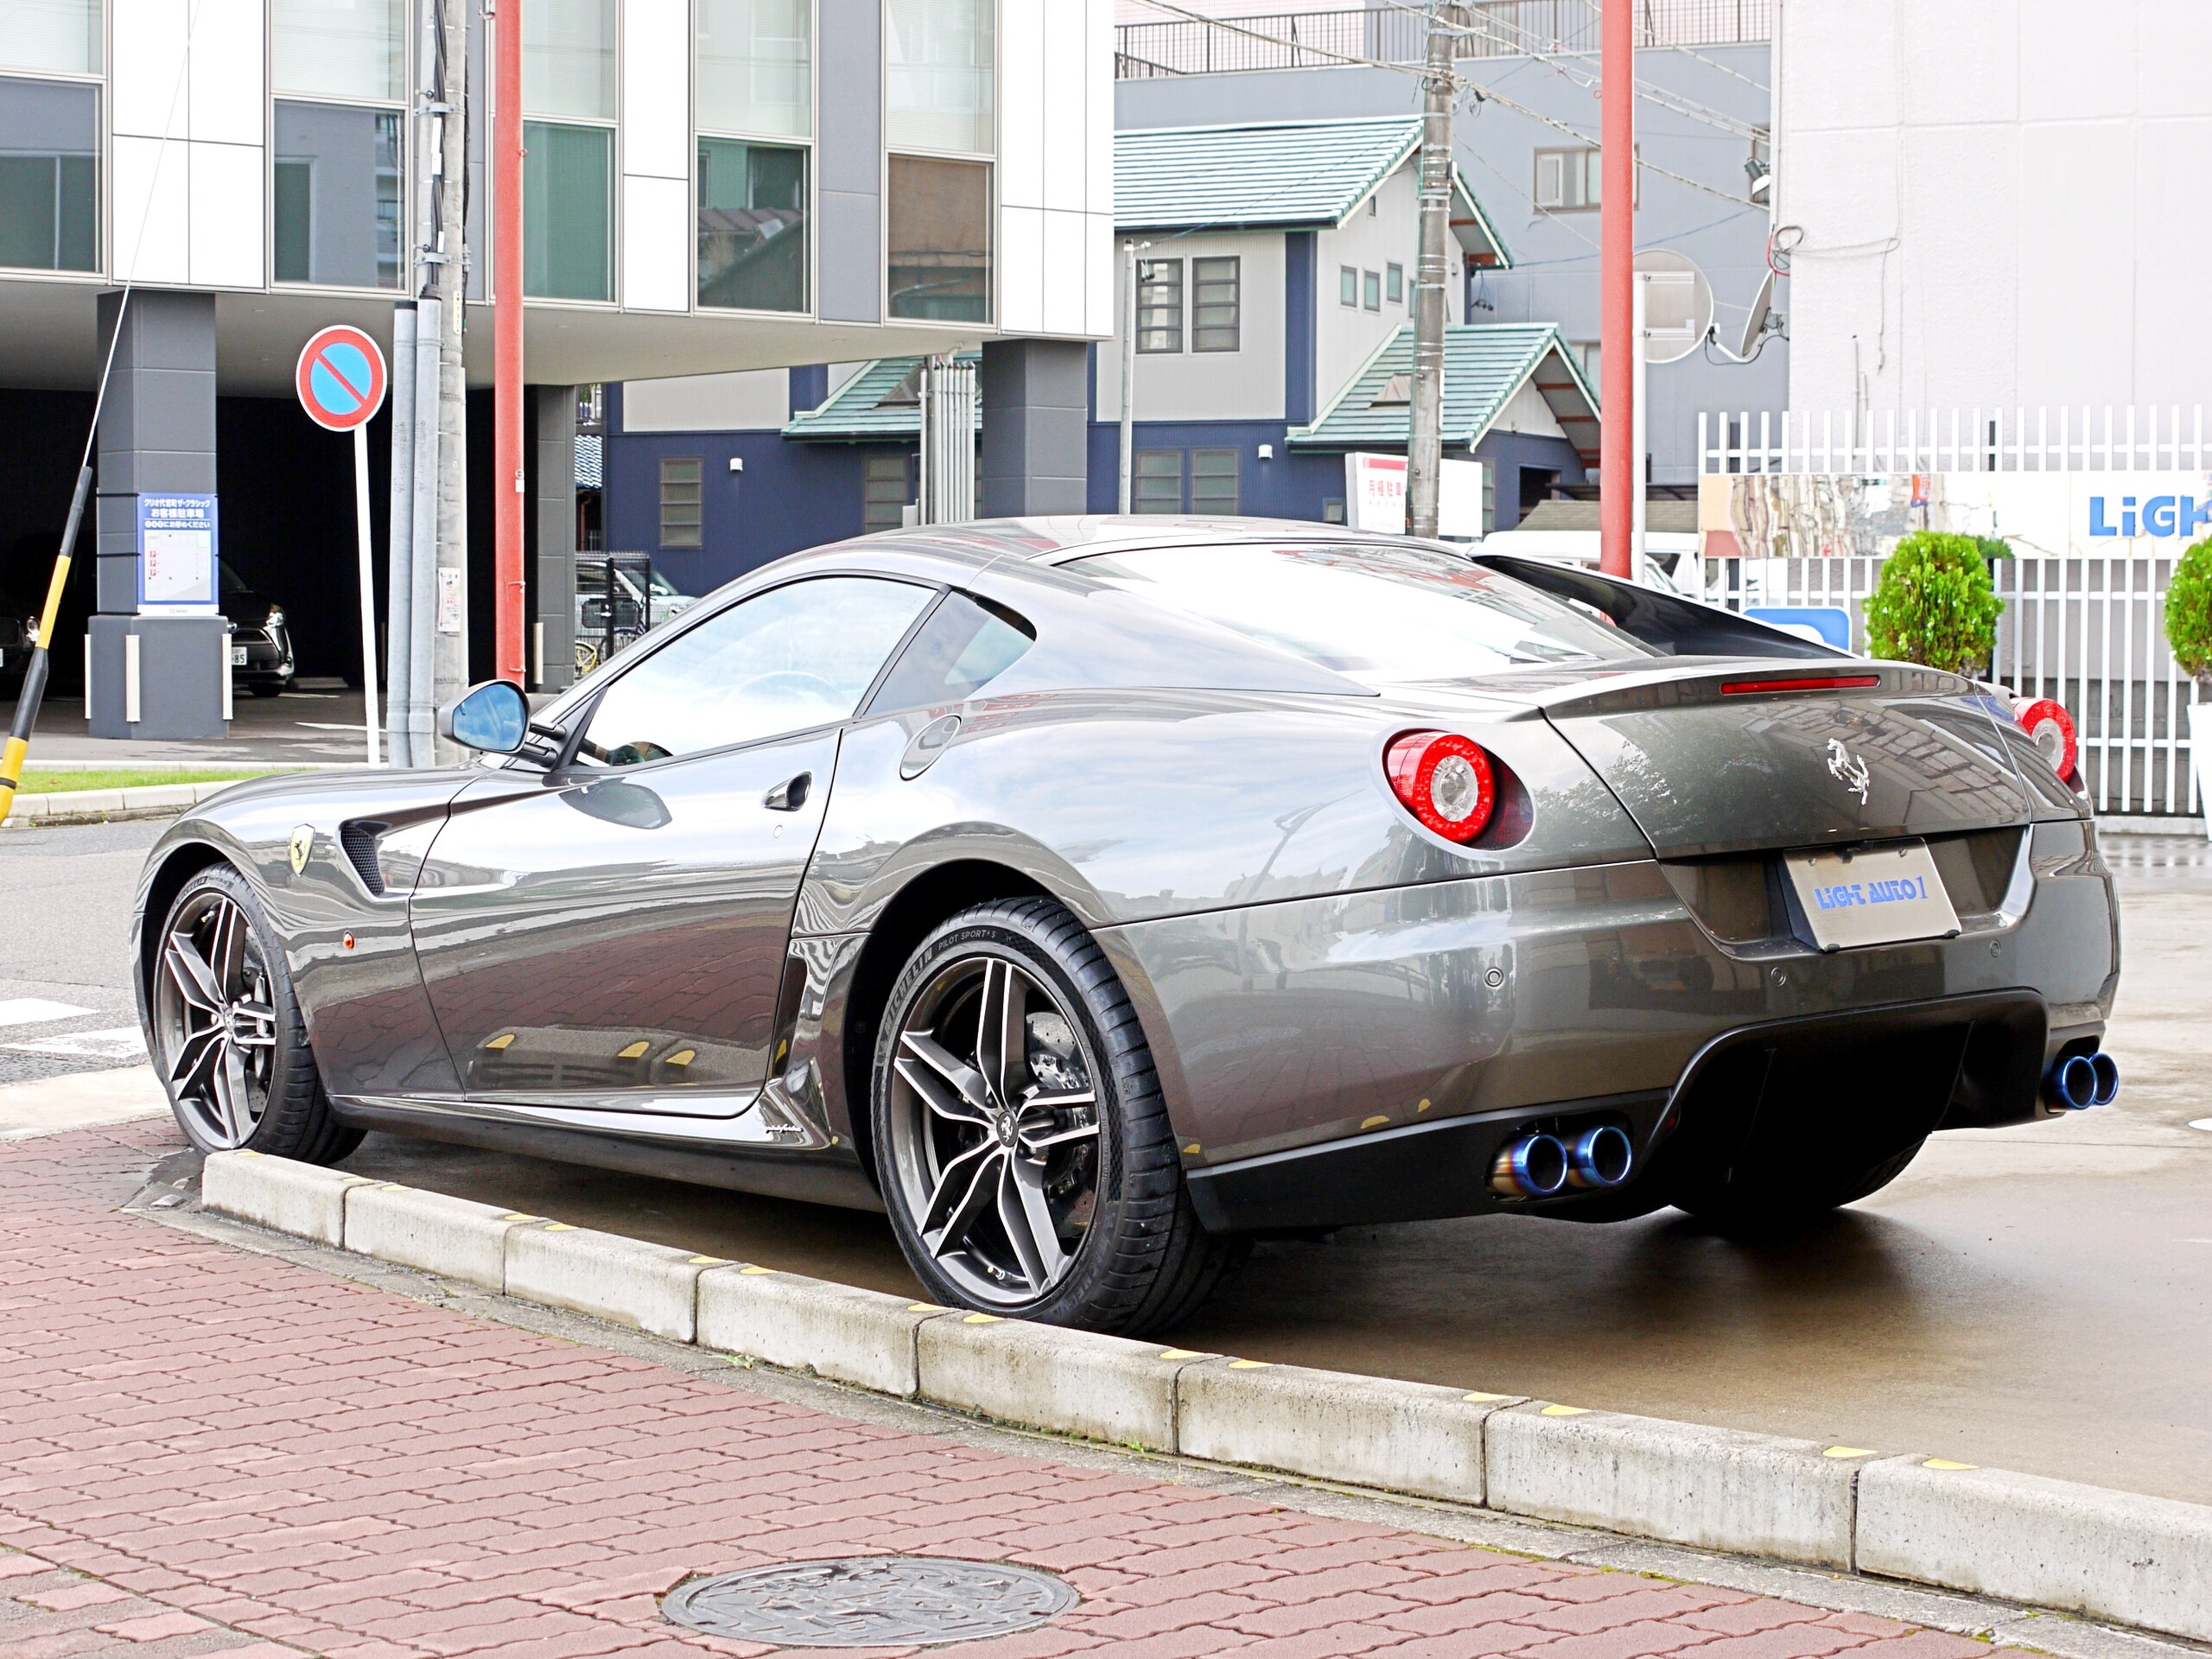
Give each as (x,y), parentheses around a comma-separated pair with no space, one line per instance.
(795,656)
(965,644)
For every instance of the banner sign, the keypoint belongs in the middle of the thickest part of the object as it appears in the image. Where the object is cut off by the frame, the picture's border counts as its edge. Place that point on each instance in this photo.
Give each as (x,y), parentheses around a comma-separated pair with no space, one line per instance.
(1375,496)
(176,553)
(2038,515)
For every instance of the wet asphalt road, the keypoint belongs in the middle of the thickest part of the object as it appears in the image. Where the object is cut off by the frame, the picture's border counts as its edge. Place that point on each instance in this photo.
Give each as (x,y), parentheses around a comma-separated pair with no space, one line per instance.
(2038,1299)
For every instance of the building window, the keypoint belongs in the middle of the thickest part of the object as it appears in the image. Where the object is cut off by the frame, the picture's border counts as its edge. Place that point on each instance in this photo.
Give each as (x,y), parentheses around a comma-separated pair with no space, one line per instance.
(756,67)
(1157,484)
(1371,289)
(1571,180)
(681,497)
(1394,284)
(568,59)
(568,240)
(49,176)
(751,225)
(940,219)
(886,491)
(1159,305)
(940,55)
(1213,482)
(1347,286)
(62,37)
(338,49)
(336,196)
(1216,303)
(1568,181)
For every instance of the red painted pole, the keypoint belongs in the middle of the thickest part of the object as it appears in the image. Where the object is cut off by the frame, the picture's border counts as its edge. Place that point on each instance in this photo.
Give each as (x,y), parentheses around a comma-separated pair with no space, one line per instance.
(507,489)
(1617,286)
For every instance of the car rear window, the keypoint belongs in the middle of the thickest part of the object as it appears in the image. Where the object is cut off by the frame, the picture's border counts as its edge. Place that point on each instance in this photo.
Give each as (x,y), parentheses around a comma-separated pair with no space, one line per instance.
(1379,613)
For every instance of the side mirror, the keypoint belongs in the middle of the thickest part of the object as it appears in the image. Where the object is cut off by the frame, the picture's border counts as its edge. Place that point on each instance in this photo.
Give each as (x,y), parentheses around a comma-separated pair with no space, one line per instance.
(493,717)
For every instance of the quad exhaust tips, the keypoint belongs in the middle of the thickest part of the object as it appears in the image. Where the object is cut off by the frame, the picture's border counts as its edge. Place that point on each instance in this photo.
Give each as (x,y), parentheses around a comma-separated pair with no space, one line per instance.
(1539,1165)
(2080,1081)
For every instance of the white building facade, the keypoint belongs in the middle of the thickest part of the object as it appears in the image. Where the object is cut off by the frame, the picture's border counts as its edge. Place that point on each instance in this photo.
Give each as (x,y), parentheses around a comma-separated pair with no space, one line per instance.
(1994,203)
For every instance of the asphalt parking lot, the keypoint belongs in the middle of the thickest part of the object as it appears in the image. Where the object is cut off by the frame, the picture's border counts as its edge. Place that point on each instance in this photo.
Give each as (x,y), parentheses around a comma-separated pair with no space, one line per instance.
(2038,1299)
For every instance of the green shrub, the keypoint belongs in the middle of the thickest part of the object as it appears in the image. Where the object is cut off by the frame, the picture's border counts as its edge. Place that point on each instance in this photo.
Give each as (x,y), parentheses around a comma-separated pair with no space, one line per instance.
(1933,604)
(1993,547)
(2189,616)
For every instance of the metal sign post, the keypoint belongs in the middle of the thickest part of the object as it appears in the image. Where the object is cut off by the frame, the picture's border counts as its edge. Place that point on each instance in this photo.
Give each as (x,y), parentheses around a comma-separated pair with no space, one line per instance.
(341,379)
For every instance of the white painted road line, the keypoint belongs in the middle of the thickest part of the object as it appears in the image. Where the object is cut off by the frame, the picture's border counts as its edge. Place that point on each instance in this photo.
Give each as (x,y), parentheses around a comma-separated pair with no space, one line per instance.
(81,1100)
(118,1043)
(36,1010)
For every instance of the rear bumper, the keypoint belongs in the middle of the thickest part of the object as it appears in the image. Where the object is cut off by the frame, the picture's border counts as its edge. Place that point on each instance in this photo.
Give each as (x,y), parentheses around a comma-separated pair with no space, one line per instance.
(1361,1058)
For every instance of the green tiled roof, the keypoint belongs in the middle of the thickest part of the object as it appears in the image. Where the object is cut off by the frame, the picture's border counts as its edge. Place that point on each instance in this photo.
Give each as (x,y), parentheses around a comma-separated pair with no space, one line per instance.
(1280,174)
(1485,365)
(1273,176)
(856,411)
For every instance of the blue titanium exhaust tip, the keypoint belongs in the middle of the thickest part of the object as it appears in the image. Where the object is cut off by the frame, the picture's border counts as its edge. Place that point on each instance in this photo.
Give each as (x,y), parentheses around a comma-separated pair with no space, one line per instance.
(2073,1083)
(1600,1157)
(1530,1166)
(2108,1073)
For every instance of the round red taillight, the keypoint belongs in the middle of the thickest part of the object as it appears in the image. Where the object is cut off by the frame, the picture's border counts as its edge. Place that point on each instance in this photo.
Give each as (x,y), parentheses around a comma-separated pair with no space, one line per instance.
(2051,728)
(1446,781)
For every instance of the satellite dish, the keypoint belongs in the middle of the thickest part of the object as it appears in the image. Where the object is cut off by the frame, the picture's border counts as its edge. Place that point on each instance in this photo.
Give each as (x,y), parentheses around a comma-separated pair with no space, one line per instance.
(1677,305)
(1755,323)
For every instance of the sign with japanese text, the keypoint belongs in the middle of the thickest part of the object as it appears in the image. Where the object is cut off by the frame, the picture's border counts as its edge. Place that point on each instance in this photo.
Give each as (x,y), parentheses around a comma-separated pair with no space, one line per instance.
(176,553)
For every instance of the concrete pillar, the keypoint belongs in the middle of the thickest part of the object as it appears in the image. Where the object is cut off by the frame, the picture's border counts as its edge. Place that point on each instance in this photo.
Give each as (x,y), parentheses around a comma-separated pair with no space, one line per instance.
(158,668)
(551,648)
(1036,395)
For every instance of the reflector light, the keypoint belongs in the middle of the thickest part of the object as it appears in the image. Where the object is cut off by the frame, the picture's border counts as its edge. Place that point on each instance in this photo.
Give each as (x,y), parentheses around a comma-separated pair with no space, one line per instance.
(2051,728)
(1445,780)
(1806,683)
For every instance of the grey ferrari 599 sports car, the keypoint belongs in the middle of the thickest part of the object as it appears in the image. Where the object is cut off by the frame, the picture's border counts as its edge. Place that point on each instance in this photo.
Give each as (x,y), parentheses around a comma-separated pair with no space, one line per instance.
(1096,895)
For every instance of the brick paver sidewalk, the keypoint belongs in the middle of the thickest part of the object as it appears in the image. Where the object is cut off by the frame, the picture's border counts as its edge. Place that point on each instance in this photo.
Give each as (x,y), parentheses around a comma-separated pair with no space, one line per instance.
(206,1450)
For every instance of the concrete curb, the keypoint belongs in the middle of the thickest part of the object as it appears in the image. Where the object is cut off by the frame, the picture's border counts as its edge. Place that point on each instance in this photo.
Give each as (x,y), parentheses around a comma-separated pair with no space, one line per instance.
(91,805)
(2144,1561)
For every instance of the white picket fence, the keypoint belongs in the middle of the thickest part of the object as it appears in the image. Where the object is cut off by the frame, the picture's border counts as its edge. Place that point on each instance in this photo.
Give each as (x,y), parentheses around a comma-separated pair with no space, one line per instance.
(2087,631)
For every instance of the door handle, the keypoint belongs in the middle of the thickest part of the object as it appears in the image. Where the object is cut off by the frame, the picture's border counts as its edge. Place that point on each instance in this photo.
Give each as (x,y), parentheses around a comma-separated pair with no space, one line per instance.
(789,795)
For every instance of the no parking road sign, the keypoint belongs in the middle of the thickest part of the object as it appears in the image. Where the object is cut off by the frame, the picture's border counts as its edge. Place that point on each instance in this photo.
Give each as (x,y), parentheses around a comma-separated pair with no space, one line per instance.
(340,381)
(340,378)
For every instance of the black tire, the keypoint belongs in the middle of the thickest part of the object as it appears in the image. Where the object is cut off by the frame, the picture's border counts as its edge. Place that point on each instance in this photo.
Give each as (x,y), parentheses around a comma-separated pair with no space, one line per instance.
(1759,1198)
(267,687)
(1143,1262)
(290,1114)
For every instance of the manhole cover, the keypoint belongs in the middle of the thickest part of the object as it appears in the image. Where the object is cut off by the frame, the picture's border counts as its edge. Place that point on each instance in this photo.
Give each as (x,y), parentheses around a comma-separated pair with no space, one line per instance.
(866,1601)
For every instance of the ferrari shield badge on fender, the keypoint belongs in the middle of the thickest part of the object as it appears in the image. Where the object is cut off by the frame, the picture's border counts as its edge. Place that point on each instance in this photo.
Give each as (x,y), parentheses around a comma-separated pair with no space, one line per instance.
(302,844)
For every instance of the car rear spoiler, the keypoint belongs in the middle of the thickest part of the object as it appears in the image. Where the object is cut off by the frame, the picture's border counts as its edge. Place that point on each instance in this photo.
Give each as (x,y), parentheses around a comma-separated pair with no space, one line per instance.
(1681,627)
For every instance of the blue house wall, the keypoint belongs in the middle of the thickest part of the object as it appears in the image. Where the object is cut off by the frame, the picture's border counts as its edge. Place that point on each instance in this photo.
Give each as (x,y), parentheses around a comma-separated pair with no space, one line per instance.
(789,497)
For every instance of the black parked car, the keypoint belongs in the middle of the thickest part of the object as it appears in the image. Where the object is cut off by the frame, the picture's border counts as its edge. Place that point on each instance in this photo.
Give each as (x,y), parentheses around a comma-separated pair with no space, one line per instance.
(261,642)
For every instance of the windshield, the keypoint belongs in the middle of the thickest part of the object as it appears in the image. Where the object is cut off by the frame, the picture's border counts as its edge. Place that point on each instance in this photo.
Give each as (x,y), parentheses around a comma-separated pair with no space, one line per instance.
(1382,614)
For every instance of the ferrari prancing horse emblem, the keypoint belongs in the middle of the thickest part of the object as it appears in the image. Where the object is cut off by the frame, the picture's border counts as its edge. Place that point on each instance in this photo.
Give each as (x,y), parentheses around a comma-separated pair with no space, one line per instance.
(1851,774)
(302,844)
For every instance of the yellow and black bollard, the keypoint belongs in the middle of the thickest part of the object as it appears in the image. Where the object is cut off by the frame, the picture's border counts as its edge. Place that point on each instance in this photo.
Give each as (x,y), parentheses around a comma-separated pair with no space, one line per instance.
(33,691)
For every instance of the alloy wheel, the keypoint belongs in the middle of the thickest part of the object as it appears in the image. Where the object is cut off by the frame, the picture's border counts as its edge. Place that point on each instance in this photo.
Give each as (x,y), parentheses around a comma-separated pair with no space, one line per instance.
(995,1129)
(215,1018)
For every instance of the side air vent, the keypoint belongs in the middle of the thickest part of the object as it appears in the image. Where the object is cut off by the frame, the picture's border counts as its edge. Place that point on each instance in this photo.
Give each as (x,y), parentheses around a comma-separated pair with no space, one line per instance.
(358,838)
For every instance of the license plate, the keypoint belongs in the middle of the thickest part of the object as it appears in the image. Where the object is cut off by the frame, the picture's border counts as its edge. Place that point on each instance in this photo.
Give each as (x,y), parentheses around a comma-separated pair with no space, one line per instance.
(1882,896)
(237,656)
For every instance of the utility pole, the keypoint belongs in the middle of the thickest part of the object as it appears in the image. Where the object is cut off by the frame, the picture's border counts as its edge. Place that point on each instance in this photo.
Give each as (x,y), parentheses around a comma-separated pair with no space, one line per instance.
(1425,448)
(449,655)
(508,478)
(1129,365)
(1617,336)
